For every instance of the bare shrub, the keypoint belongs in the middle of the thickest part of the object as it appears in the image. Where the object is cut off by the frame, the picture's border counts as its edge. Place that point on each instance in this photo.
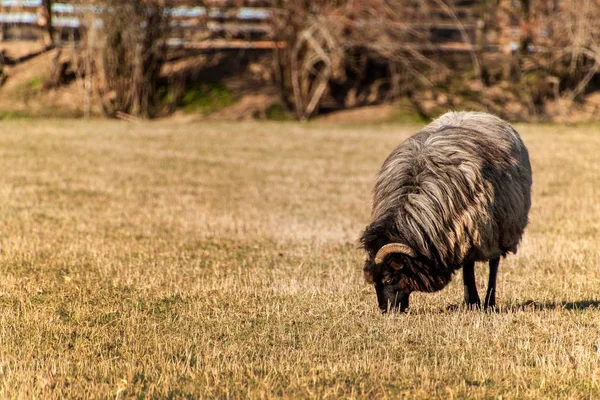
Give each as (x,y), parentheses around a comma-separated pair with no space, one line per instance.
(121,58)
(560,43)
(310,43)
(575,45)
(354,53)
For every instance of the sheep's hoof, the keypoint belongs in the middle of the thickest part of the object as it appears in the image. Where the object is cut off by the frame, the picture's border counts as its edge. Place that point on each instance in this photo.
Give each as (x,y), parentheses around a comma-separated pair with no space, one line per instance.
(491,309)
(474,305)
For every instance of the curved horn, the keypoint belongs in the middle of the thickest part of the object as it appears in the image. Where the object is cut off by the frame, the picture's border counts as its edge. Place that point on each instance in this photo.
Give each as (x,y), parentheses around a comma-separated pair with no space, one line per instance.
(393,248)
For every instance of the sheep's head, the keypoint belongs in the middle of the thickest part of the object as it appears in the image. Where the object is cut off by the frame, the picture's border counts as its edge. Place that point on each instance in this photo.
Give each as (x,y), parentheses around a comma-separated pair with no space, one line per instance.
(387,271)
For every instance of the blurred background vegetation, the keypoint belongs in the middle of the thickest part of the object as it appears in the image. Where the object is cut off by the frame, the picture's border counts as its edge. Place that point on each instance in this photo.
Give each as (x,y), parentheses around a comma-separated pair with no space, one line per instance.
(527,60)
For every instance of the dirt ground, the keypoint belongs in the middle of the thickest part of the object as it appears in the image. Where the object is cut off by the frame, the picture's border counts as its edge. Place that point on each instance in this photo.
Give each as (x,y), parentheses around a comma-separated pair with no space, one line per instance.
(23,89)
(23,93)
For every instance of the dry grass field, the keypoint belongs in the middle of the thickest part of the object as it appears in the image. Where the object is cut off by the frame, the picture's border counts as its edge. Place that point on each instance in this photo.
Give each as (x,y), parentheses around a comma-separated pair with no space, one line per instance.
(220,260)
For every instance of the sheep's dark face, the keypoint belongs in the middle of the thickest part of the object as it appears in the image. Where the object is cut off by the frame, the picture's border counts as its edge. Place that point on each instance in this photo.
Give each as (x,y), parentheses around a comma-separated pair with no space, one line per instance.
(391,285)
(390,273)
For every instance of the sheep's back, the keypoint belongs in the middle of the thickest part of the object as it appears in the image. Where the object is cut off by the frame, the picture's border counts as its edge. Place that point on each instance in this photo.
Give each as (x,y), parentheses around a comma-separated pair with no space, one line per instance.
(458,190)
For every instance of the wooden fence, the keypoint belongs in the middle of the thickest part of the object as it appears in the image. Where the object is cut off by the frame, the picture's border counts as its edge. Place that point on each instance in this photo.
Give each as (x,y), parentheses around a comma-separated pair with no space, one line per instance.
(214,24)
(246,24)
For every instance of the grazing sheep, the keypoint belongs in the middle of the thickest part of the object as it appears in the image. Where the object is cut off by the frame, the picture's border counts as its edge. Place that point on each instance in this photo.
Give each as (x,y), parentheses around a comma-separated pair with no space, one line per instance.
(454,193)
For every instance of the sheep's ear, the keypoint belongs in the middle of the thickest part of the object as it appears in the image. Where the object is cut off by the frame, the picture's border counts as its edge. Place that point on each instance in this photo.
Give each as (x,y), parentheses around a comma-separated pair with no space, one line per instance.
(396,266)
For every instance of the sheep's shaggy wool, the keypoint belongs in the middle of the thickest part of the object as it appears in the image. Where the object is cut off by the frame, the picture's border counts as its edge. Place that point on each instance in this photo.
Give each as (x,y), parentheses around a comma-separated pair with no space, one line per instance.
(457,191)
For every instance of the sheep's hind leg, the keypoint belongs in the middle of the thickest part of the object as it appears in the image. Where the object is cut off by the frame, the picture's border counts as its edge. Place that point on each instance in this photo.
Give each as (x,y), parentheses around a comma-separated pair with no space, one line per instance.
(471,296)
(490,297)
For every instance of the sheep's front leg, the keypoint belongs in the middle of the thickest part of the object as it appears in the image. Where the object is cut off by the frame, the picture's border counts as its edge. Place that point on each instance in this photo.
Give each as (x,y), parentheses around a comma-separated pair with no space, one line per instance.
(404,303)
(471,296)
(490,297)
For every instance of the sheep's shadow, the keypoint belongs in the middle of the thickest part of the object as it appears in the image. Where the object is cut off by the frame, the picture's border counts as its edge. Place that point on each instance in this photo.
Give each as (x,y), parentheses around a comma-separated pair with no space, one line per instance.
(532,305)
(553,305)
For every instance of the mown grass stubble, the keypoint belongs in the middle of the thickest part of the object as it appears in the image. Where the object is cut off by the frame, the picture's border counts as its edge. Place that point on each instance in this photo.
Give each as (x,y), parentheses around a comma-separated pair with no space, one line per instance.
(220,260)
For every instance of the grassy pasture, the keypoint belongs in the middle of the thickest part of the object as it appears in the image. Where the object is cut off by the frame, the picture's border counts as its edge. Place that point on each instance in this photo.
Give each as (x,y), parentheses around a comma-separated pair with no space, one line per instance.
(219,260)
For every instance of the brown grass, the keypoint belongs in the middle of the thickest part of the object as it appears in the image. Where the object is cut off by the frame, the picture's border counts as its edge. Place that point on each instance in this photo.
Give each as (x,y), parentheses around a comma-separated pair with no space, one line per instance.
(220,260)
